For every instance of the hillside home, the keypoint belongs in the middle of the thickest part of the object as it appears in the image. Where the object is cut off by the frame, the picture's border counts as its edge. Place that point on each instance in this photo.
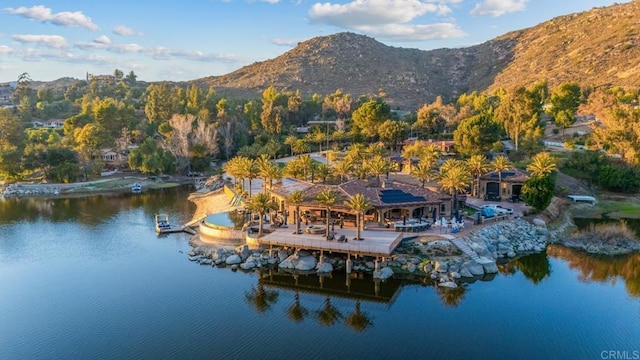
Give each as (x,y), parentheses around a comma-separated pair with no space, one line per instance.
(512,181)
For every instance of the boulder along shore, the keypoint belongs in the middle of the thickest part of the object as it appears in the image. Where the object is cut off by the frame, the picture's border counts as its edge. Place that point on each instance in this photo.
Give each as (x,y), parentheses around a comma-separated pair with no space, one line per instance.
(475,254)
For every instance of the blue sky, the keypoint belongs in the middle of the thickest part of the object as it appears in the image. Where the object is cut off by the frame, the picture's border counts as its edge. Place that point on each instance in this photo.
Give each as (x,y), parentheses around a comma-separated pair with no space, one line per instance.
(185,40)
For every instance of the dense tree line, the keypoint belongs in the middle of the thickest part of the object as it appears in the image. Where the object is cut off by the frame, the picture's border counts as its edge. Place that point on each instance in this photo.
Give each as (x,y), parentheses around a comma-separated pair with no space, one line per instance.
(166,128)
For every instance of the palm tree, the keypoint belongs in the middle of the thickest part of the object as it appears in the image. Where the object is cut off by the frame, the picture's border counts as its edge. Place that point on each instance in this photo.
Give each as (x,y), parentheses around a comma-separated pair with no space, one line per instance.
(454,181)
(296,198)
(500,164)
(323,171)
(478,165)
(542,164)
(409,152)
(424,173)
(377,166)
(267,170)
(261,204)
(327,198)
(262,163)
(290,141)
(300,146)
(359,204)
(452,163)
(358,320)
(233,169)
(343,168)
(356,153)
(306,164)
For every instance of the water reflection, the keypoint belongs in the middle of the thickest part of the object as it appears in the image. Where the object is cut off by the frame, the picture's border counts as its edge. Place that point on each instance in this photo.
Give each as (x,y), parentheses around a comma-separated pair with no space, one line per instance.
(260,298)
(451,297)
(358,320)
(296,311)
(94,209)
(602,268)
(328,315)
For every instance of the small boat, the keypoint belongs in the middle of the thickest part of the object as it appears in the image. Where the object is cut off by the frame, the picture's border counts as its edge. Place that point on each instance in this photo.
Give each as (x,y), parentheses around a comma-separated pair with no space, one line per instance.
(163,226)
(136,188)
(162,223)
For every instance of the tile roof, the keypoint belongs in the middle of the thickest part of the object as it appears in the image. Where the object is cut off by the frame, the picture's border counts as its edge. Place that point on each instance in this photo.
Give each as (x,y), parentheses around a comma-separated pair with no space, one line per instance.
(389,194)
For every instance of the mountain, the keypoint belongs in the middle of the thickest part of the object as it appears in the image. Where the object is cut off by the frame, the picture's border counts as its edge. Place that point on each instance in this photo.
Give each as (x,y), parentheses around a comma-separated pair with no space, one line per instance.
(594,48)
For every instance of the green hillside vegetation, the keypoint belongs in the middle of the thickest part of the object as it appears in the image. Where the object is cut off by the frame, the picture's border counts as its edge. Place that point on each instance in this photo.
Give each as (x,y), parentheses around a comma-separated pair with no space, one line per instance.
(181,128)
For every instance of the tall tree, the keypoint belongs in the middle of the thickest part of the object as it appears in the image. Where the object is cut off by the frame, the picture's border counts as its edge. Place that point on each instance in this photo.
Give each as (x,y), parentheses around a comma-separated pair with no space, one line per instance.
(542,164)
(565,100)
(261,204)
(358,204)
(456,180)
(296,198)
(370,115)
(327,198)
(478,165)
(500,164)
(476,135)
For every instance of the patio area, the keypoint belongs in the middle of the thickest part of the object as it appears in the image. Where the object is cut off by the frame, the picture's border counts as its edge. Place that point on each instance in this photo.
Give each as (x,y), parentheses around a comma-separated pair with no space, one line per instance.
(375,242)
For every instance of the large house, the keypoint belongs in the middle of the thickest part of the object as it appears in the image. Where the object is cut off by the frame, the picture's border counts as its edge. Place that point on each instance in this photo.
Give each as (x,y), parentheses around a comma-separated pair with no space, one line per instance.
(390,200)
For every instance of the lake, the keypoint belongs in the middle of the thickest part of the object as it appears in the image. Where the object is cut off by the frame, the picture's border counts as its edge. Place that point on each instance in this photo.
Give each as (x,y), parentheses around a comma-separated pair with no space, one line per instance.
(89,278)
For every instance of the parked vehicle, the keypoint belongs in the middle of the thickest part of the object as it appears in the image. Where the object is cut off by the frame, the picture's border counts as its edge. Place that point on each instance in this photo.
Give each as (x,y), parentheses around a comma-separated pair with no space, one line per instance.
(492,197)
(498,209)
(487,212)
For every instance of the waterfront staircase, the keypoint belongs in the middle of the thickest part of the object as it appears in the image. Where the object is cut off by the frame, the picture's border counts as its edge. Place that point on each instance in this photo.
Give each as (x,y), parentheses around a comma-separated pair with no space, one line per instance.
(460,244)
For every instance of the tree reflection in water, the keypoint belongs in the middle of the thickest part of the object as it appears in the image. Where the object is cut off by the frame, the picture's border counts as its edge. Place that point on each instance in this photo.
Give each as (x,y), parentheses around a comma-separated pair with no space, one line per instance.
(535,267)
(329,314)
(358,320)
(602,268)
(260,298)
(297,312)
(451,297)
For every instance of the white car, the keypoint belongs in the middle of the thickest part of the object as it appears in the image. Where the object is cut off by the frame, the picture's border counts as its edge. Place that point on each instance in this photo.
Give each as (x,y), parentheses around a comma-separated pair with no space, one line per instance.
(499,209)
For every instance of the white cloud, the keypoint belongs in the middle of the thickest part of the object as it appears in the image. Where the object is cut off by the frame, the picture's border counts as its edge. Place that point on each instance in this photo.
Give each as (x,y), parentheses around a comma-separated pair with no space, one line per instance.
(103,39)
(403,32)
(34,55)
(389,19)
(5,49)
(52,41)
(371,12)
(271,1)
(105,44)
(163,53)
(284,42)
(44,14)
(497,8)
(125,31)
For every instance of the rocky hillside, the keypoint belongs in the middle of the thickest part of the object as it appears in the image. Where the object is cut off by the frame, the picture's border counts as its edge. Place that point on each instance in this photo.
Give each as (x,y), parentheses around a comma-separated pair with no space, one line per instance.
(596,47)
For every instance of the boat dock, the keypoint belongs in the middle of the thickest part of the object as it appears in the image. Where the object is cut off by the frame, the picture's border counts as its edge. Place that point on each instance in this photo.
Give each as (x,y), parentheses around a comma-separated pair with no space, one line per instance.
(164,227)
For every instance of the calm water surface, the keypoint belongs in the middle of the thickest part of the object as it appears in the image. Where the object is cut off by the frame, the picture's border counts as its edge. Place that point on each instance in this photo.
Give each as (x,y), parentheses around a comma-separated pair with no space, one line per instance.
(89,278)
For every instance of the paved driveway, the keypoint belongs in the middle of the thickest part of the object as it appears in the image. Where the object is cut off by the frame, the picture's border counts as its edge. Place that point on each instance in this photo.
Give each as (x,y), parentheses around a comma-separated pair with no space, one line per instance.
(518,208)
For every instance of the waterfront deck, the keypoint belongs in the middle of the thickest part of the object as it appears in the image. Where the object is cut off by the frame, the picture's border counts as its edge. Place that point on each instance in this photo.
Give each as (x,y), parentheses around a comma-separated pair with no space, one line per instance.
(376,242)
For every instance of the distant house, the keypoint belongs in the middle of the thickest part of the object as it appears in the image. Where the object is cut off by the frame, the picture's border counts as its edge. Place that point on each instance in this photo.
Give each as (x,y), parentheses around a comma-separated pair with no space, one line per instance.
(54,124)
(111,157)
(445,146)
(5,94)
